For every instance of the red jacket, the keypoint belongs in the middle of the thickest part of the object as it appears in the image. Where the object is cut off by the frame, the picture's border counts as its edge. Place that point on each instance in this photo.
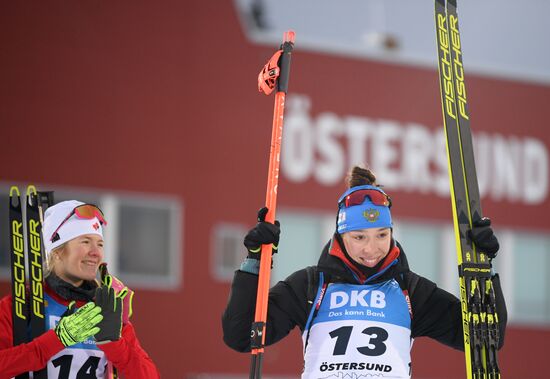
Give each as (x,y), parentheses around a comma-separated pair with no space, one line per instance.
(126,354)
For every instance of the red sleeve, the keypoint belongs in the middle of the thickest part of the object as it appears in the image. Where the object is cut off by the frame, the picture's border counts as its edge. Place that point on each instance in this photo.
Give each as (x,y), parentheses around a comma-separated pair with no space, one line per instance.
(27,357)
(128,356)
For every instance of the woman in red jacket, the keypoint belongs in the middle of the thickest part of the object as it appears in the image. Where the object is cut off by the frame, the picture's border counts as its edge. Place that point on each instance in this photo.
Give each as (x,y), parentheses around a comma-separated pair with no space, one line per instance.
(88,329)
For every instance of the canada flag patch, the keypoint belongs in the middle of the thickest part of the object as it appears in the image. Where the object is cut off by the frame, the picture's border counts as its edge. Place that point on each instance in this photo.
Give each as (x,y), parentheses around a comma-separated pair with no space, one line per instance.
(95,226)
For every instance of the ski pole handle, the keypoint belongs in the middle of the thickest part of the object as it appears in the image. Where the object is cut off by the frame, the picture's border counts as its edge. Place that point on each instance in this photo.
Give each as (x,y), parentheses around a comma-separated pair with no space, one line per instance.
(287,47)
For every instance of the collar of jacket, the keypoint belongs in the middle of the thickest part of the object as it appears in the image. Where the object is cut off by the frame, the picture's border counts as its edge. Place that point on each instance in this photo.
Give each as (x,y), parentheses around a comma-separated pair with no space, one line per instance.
(335,249)
(66,291)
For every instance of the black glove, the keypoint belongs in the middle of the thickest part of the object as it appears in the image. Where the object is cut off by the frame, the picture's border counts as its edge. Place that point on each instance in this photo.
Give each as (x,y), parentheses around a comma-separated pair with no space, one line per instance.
(111,310)
(483,237)
(264,233)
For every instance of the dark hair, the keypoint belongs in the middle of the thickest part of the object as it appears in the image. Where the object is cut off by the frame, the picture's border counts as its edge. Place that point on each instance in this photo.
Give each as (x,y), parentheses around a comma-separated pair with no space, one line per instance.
(360,176)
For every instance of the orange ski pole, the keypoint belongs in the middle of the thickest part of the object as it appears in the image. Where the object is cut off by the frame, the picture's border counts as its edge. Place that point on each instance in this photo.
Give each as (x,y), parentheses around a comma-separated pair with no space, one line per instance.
(275,74)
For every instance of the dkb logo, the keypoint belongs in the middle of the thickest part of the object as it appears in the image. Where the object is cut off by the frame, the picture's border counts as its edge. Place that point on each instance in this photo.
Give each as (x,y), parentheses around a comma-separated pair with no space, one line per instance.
(358,298)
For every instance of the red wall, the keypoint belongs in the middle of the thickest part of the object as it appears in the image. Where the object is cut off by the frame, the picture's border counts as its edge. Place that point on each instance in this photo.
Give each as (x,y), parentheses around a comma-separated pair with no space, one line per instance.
(161,98)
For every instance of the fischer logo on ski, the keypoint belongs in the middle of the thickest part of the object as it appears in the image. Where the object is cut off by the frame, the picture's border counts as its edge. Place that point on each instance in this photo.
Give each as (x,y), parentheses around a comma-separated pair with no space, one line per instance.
(17,268)
(479,316)
(28,297)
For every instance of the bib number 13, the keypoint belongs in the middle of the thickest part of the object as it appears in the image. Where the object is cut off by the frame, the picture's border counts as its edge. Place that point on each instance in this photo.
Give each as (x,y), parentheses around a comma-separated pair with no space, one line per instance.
(375,338)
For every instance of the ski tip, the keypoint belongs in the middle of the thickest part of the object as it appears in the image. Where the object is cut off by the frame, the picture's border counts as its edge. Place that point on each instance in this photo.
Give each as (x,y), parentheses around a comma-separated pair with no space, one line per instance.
(14,190)
(289,36)
(31,189)
(32,196)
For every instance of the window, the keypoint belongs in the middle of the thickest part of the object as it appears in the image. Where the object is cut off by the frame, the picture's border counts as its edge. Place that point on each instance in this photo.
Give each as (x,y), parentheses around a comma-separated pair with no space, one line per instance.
(422,245)
(531,288)
(303,237)
(228,250)
(149,232)
(143,237)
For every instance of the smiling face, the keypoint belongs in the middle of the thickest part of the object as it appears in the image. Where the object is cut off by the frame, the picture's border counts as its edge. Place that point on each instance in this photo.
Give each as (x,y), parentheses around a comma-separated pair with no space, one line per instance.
(79,259)
(368,246)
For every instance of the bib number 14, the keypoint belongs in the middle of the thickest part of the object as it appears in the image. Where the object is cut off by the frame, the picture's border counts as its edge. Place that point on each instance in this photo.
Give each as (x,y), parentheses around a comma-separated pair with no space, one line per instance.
(87,371)
(375,338)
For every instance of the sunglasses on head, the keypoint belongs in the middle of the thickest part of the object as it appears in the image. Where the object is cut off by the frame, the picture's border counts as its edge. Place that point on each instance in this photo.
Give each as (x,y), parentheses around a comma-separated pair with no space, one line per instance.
(377,197)
(84,212)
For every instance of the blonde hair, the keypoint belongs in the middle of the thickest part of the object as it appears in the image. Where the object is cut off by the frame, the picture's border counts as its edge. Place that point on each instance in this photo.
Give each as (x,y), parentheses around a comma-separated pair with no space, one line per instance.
(50,261)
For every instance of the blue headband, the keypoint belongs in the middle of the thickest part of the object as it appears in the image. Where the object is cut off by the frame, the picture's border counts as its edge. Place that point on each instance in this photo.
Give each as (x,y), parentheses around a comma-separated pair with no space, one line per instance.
(363,216)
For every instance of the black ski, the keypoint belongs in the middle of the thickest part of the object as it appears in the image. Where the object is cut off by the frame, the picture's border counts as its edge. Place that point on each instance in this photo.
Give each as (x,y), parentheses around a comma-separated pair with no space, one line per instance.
(20,307)
(480,321)
(29,319)
(34,263)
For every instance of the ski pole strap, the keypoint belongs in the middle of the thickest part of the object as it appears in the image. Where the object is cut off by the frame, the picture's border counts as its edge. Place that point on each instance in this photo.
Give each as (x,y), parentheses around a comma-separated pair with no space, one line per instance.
(256,335)
(276,71)
(475,270)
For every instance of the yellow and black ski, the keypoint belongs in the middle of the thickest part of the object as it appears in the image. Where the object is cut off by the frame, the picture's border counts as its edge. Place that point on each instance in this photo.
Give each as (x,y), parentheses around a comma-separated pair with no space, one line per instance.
(29,319)
(479,316)
(20,306)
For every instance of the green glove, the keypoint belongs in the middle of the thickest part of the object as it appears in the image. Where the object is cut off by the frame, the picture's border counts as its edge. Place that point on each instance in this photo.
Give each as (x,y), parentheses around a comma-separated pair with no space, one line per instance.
(75,327)
(111,310)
